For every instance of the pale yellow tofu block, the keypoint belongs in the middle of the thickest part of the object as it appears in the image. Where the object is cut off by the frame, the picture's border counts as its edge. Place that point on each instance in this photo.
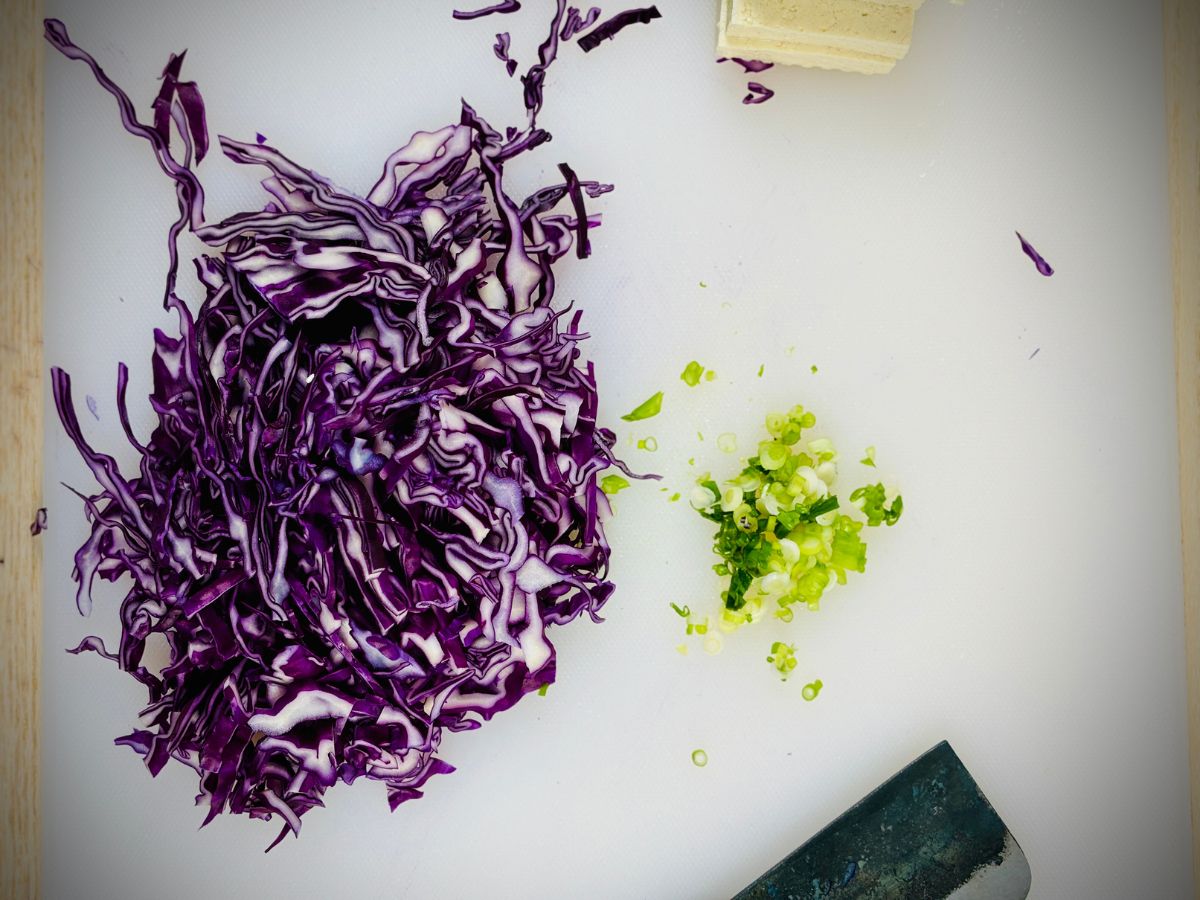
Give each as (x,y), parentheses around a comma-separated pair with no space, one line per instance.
(864,26)
(798,54)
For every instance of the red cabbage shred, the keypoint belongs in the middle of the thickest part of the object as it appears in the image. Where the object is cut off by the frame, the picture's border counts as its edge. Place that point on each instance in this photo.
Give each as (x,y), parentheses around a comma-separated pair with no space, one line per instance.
(609,28)
(1039,261)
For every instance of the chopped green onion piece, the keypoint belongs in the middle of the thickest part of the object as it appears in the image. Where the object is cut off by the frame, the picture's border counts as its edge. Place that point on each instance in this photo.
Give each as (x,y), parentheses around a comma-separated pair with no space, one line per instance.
(681,649)
(811,690)
(699,759)
(674,498)
(712,644)
(703,285)
(873,497)
(542,690)
(761,369)
(648,443)
(647,410)
(703,497)
(613,484)
(828,504)
(700,435)
(710,375)
(691,460)
(783,658)
(868,457)
(822,449)
(772,455)
(682,612)
(814,370)
(727,442)
(691,373)
(790,434)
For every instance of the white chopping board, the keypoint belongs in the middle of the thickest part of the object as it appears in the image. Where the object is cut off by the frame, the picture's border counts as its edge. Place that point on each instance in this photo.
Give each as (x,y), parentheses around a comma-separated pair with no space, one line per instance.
(1028,606)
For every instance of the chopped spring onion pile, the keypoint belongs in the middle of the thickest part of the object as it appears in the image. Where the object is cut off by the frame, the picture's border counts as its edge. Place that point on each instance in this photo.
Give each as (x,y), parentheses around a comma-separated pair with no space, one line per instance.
(781,536)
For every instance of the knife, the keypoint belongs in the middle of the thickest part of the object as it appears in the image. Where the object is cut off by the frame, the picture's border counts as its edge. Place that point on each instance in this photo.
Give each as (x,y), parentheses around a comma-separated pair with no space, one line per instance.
(928,833)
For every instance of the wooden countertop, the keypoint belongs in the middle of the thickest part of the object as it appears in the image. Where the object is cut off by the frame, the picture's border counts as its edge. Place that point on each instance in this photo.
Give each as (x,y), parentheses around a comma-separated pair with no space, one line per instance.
(20,441)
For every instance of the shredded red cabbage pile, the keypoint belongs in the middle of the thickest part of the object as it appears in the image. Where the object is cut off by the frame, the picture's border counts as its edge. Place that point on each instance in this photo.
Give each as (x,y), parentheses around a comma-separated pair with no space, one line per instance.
(372,486)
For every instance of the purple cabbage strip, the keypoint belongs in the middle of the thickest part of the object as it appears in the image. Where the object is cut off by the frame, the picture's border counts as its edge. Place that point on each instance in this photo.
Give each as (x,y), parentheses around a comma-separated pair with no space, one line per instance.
(1038,260)
(582,246)
(576,22)
(190,103)
(500,48)
(39,522)
(95,645)
(372,485)
(608,29)
(504,6)
(748,65)
(758,94)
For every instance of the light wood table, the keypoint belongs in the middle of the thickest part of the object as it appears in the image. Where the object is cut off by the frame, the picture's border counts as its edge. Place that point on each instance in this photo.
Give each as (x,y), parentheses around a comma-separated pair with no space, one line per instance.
(1181,30)
(20,442)
(21,400)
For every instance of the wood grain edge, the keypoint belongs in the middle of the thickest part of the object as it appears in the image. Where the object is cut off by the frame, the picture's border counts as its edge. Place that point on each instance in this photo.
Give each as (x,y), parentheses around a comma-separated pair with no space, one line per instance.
(1181,33)
(20,443)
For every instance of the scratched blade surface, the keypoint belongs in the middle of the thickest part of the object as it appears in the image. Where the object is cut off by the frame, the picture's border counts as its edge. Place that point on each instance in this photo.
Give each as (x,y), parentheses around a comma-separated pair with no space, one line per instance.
(927,833)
